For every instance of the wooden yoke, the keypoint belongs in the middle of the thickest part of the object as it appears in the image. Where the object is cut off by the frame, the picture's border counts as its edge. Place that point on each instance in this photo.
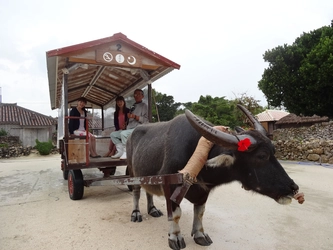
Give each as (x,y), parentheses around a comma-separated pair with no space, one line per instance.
(194,166)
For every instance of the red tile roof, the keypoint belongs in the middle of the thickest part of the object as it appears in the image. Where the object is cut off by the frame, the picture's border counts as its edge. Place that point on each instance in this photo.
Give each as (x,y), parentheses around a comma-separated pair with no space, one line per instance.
(12,114)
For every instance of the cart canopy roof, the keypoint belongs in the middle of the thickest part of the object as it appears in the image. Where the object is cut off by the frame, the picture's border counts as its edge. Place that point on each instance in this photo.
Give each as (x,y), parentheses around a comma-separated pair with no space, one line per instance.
(100,70)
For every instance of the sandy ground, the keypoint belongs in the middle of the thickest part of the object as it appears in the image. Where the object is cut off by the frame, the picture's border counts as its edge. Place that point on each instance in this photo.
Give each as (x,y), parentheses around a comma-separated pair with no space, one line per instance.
(36,213)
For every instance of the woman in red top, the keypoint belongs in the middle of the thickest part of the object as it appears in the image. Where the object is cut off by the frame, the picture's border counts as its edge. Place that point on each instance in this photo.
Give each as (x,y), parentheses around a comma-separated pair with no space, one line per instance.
(120,121)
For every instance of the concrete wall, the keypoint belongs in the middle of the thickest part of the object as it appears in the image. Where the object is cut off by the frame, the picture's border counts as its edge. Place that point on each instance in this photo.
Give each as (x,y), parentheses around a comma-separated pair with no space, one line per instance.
(28,136)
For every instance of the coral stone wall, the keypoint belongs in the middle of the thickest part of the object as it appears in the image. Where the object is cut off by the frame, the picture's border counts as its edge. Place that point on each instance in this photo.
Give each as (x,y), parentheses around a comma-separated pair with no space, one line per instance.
(11,146)
(314,143)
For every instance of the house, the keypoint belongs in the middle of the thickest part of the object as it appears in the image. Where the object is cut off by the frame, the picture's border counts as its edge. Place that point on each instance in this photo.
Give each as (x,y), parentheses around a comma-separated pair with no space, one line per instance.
(26,124)
(268,119)
(294,121)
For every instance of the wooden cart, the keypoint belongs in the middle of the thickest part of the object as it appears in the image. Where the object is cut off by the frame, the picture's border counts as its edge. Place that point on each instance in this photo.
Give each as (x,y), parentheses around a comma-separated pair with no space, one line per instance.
(100,70)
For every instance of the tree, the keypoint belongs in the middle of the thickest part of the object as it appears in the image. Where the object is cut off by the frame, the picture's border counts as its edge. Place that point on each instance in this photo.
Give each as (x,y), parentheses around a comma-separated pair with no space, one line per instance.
(164,107)
(299,76)
(220,111)
(251,104)
(217,110)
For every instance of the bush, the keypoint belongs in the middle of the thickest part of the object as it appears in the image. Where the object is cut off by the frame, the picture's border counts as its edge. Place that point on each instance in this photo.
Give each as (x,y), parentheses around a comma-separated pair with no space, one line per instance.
(44,148)
(3,145)
(3,132)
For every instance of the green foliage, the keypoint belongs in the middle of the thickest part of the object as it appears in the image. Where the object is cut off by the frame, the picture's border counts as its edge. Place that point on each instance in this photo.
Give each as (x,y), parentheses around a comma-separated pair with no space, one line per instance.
(251,104)
(217,110)
(3,145)
(220,111)
(44,148)
(3,132)
(164,107)
(299,76)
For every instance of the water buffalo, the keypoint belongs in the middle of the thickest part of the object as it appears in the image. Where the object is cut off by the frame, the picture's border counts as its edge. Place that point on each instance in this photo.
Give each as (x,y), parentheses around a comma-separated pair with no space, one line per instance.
(165,148)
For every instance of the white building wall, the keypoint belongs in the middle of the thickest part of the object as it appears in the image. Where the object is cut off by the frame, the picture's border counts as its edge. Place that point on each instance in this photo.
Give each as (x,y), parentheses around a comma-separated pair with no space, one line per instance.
(28,136)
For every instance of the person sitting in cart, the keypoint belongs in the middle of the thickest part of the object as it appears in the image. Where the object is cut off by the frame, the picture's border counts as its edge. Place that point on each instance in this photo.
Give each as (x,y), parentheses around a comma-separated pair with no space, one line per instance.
(120,120)
(78,126)
(138,115)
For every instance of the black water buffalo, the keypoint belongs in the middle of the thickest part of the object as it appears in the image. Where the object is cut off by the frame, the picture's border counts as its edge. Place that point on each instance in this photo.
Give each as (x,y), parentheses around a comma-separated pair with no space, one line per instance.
(166,147)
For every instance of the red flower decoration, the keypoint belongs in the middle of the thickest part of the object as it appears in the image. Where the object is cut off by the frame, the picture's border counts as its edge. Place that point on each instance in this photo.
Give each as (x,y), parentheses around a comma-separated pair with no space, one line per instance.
(243,145)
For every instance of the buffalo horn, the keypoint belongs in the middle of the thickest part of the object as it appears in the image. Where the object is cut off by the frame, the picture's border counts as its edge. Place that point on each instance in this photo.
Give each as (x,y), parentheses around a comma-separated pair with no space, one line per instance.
(256,124)
(216,136)
(239,129)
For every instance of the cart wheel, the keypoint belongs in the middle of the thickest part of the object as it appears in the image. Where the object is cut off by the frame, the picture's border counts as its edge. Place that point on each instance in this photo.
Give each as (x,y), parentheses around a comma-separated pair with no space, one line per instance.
(65,174)
(130,187)
(75,184)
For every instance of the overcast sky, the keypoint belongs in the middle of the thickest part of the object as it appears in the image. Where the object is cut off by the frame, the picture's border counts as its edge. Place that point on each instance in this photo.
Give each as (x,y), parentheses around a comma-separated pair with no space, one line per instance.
(219,44)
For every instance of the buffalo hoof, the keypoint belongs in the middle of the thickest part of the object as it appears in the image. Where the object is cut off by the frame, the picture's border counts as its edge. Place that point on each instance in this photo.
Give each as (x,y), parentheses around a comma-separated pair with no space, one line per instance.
(136,216)
(204,240)
(153,211)
(177,243)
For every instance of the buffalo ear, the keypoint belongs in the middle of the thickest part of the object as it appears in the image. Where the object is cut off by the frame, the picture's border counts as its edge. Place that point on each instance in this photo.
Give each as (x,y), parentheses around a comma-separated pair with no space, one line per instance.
(221,161)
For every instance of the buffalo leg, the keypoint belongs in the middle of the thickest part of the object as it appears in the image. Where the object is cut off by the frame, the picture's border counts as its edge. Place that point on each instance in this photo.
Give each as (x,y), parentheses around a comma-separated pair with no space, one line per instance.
(176,240)
(197,229)
(151,209)
(136,215)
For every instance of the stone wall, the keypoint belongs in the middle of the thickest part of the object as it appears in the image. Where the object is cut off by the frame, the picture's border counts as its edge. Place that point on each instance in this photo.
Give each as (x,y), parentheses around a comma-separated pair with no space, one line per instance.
(11,146)
(314,143)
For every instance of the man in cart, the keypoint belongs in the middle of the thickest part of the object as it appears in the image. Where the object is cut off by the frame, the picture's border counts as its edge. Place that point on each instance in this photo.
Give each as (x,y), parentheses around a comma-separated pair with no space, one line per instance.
(137,115)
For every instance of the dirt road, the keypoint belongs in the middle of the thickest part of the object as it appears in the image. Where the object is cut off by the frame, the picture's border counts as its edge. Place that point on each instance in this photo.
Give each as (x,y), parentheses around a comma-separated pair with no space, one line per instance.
(36,213)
